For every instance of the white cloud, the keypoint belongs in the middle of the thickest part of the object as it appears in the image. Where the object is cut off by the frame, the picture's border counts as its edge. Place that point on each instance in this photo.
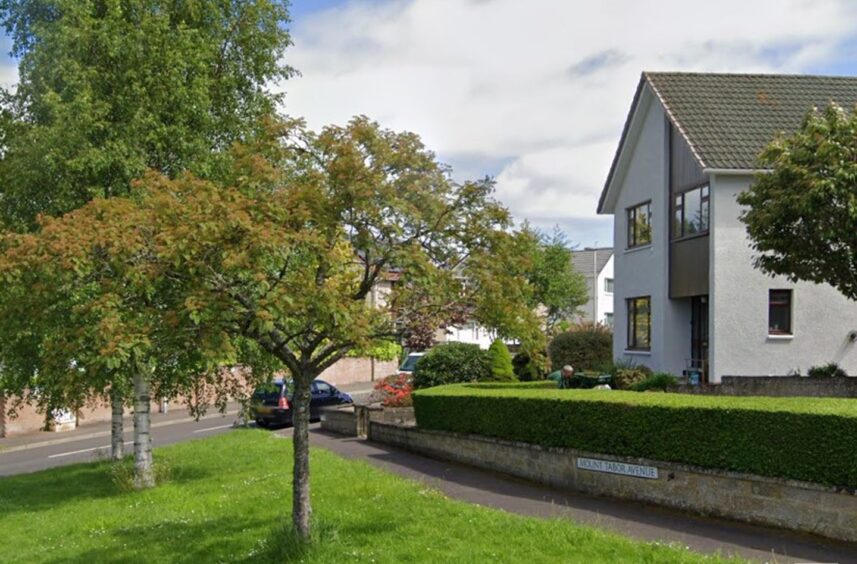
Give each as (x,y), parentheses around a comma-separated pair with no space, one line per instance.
(538,88)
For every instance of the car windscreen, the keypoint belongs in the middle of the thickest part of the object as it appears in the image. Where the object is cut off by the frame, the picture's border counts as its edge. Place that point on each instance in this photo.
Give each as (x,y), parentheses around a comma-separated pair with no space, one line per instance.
(269,394)
(410,363)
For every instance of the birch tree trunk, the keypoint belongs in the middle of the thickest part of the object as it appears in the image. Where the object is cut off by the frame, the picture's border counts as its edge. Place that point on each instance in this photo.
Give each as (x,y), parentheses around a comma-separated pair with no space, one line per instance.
(117,426)
(144,476)
(301,509)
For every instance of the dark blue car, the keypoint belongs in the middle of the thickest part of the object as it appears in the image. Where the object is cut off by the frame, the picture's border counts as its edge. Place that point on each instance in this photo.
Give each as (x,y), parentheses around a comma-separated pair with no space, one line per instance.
(272,404)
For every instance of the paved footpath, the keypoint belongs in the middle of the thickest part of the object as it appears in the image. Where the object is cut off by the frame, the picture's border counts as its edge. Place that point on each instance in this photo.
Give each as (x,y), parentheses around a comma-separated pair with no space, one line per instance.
(641,521)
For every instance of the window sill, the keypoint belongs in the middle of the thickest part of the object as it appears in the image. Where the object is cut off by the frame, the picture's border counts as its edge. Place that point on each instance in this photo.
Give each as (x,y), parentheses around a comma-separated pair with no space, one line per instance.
(638,351)
(774,337)
(637,248)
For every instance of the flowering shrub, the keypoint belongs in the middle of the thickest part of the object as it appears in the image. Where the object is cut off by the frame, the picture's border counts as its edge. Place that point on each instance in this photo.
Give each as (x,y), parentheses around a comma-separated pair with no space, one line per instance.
(395,390)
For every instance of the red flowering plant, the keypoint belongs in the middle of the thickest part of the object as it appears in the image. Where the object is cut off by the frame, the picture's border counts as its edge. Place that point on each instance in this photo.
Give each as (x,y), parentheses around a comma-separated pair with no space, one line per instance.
(395,390)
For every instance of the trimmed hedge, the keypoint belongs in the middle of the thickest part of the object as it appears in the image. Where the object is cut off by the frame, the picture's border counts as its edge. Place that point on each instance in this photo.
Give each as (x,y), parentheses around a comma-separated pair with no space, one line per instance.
(585,347)
(810,439)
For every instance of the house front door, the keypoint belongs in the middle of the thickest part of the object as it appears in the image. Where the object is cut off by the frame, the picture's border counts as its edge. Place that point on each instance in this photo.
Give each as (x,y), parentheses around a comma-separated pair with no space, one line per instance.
(699,334)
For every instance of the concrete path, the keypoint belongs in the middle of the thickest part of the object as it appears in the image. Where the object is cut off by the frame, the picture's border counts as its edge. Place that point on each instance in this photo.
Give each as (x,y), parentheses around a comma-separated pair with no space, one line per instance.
(641,521)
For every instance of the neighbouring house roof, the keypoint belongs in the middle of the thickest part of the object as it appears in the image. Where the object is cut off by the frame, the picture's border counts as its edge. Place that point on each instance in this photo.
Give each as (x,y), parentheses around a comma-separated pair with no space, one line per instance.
(588,259)
(727,119)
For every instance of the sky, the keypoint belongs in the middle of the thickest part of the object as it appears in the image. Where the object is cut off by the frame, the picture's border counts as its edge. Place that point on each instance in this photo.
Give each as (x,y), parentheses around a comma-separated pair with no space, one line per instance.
(534,93)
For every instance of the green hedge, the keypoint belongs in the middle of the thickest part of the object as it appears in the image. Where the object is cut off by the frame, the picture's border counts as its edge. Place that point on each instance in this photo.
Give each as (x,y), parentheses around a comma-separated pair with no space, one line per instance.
(811,439)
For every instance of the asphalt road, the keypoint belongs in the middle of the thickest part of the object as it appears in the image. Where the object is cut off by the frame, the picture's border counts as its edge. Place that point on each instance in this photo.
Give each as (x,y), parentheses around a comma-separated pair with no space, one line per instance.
(42,456)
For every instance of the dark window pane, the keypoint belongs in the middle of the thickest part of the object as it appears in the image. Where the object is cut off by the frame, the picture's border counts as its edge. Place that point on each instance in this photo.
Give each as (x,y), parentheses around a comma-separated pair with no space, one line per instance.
(677,216)
(639,323)
(780,312)
(692,206)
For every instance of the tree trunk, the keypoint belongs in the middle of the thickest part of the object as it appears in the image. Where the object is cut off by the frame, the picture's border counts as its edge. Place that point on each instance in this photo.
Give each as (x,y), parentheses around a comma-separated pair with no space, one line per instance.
(301,509)
(117,427)
(144,476)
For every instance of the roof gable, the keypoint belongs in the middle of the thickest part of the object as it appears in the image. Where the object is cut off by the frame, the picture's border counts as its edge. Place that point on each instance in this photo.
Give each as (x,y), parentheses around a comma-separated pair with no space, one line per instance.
(727,119)
(590,262)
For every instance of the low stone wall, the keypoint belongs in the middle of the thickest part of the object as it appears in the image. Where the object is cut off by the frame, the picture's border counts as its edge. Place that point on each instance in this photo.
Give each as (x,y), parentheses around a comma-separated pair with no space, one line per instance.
(340,421)
(767,501)
(778,386)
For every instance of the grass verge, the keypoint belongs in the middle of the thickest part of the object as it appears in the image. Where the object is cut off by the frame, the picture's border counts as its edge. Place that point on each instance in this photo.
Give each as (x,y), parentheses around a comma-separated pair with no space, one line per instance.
(227,499)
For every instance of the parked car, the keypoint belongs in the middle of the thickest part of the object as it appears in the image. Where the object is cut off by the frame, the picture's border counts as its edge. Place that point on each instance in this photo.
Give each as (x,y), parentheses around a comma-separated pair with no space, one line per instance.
(271,404)
(407,367)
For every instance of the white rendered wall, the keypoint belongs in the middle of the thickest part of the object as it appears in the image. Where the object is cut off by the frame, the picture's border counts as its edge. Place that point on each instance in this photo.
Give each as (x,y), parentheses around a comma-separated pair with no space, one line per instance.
(604,299)
(644,271)
(822,318)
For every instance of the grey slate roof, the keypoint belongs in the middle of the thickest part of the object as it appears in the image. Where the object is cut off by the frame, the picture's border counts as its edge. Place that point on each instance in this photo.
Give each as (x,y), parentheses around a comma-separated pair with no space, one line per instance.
(729,118)
(583,260)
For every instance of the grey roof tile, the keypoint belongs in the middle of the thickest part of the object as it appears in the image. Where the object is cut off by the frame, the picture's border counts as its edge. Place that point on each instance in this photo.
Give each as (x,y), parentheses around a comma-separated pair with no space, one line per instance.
(729,118)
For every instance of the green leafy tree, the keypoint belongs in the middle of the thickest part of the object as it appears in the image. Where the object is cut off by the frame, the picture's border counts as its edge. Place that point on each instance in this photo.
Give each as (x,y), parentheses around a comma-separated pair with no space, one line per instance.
(801,214)
(501,361)
(109,90)
(557,286)
(281,258)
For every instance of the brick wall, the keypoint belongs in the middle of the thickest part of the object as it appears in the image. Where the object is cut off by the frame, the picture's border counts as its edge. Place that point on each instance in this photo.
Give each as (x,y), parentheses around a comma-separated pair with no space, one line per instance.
(788,504)
(350,370)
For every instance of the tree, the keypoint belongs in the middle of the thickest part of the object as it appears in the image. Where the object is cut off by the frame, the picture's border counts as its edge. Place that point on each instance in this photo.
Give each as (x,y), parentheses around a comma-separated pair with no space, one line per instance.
(501,361)
(284,254)
(558,287)
(109,90)
(801,213)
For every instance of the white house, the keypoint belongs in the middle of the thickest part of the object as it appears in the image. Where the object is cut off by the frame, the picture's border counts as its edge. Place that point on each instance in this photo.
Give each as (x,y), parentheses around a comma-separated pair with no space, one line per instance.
(596,266)
(686,292)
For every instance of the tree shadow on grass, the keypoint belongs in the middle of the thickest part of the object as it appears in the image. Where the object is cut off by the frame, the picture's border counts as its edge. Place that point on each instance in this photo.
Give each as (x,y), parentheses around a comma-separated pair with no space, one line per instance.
(213,540)
(50,489)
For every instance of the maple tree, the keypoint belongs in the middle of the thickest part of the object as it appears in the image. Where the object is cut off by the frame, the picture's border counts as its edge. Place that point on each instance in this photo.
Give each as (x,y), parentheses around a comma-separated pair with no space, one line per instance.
(280,259)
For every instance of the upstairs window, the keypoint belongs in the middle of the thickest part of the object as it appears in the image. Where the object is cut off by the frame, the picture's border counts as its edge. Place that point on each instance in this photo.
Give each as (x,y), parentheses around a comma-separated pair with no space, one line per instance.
(690,212)
(780,312)
(640,225)
(608,285)
(640,323)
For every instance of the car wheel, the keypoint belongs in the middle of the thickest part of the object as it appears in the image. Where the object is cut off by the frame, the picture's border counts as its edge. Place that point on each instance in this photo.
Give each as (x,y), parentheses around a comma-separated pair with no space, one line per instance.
(262,423)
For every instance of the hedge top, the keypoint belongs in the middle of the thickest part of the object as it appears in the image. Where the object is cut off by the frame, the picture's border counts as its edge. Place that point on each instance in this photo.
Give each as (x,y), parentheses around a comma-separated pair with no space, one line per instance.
(841,407)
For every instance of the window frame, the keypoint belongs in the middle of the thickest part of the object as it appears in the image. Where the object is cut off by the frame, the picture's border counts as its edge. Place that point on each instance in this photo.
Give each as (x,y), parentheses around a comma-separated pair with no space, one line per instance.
(678,233)
(631,219)
(787,304)
(631,335)
(608,285)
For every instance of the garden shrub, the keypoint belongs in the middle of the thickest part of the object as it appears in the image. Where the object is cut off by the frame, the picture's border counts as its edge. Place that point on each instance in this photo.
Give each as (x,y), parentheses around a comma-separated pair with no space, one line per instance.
(526,369)
(830,370)
(450,363)
(658,381)
(584,346)
(809,439)
(394,391)
(626,378)
(501,362)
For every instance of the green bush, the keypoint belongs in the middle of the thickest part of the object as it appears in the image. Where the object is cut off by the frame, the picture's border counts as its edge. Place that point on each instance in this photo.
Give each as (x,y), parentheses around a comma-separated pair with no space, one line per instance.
(657,381)
(585,347)
(627,378)
(501,362)
(830,370)
(809,439)
(450,363)
(526,369)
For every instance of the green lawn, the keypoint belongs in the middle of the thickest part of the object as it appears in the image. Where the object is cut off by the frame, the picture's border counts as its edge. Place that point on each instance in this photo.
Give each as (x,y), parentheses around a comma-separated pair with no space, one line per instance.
(224,497)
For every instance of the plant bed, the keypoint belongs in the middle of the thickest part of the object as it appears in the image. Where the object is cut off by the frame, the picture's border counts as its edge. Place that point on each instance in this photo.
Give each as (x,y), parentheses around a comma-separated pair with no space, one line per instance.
(808,439)
(228,498)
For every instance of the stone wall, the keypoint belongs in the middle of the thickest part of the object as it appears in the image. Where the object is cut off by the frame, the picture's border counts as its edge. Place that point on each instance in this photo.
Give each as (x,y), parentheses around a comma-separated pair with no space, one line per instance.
(778,386)
(340,421)
(788,504)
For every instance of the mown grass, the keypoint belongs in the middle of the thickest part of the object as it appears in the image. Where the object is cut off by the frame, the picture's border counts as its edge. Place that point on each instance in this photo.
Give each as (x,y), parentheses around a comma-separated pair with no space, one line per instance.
(228,498)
